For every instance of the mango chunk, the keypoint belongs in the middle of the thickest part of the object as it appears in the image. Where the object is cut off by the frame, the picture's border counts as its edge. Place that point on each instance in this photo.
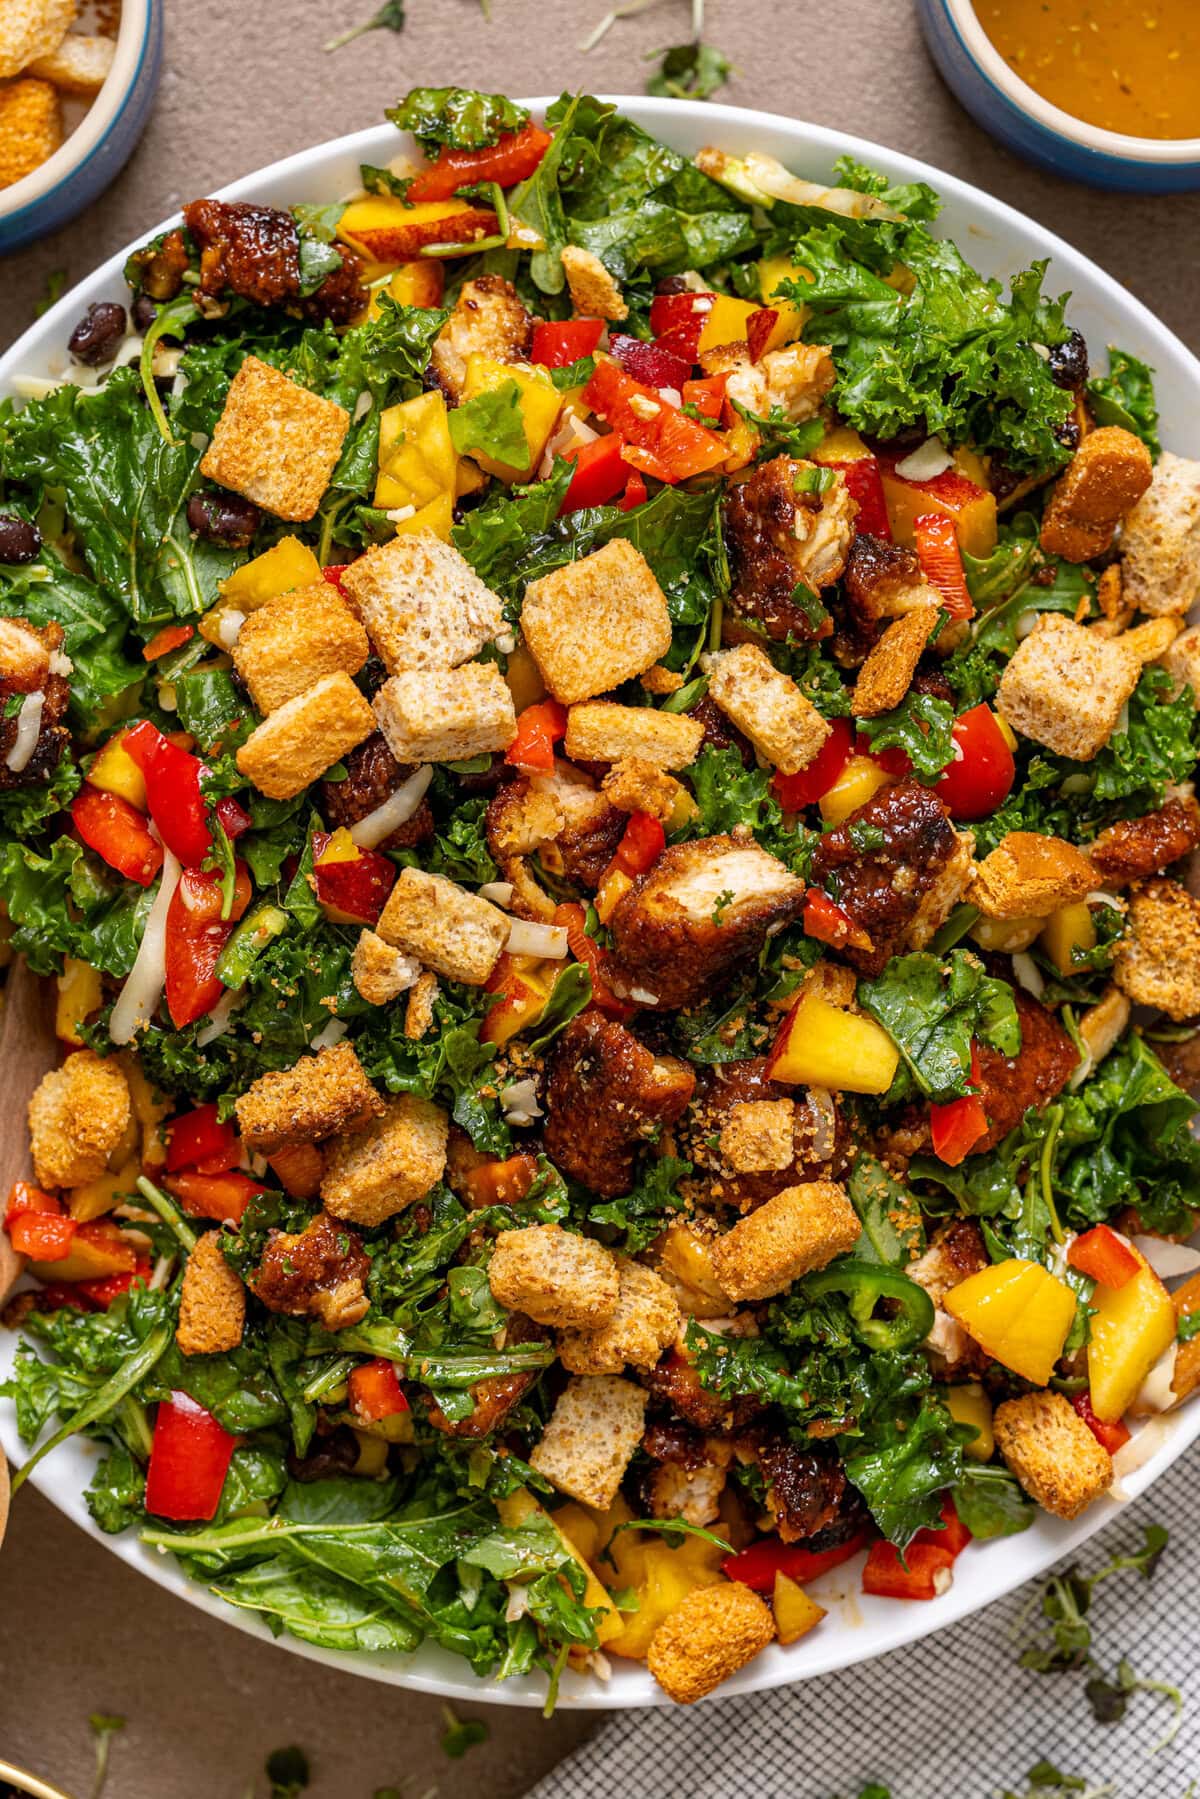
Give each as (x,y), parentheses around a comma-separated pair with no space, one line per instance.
(795,1613)
(1067,930)
(1131,1327)
(540,404)
(860,778)
(1018,1312)
(417,461)
(821,1045)
(969,1404)
(80,992)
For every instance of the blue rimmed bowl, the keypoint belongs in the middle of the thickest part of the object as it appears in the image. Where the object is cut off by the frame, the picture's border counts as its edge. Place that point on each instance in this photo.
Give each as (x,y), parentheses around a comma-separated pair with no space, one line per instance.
(100,145)
(1007,107)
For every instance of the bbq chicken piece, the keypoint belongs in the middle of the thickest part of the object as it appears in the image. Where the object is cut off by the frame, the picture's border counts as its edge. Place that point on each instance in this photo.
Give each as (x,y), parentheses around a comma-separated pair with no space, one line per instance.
(317,1272)
(606,1094)
(781,531)
(254,252)
(488,320)
(813,1135)
(32,683)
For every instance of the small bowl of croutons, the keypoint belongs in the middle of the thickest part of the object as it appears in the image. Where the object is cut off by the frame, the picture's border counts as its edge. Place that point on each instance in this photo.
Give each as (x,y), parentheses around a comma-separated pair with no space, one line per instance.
(77,81)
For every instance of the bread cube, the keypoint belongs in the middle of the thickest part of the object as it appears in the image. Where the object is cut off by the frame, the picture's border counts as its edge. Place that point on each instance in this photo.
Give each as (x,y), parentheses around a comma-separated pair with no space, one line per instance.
(275,442)
(374,1173)
(767,706)
(646,1322)
(80,65)
(422,602)
(710,1634)
(590,1440)
(380,973)
(1160,540)
(1052,1452)
(1158,960)
(1182,663)
(555,1277)
(306,735)
(446,715)
(212,1303)
(443,926)
(1065,687)
(292,642)
(32,28)
(78,1116)
(1106,477)
(312,1099)
(797,1230)
(757,1137)
(596,622)
(602,731)
(886,675)
(1030,876)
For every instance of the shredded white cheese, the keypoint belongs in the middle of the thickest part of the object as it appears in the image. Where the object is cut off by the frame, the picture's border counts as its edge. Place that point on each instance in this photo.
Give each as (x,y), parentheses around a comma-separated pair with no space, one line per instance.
(139,997)
(930,459)
(29,723)
(520,1102)
(1028,974)
(395,811)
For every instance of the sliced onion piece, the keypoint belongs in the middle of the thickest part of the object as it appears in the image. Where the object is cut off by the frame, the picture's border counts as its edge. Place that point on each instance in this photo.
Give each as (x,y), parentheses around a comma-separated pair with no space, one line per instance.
(29,723)
(332,1033)
(139,997)
(1028,974)
(395,811)
(548,941)
(220,1018)
(520,1101)
(928,460)
(499,892)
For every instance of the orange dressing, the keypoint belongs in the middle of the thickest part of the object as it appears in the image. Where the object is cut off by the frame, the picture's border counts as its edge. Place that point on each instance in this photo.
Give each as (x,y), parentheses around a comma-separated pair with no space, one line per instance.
(1126,65)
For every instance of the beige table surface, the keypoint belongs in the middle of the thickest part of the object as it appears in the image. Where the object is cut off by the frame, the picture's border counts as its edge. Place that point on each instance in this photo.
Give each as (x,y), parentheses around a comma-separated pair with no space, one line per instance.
(245,82)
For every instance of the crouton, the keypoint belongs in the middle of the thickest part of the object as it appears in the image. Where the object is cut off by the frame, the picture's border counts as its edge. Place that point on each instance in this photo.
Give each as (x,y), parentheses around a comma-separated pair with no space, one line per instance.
(1160,540)
(594,293)
(312,1099)
(275,442)
(1065,687)
(886,675)
(767,706)
(706,1638)
(454,932)
(632,785)
(555,1277)
(29,29)
(1182,663)
(30,127)
(212,1304)
(1186,1375)
(757,1136)
(80,65)
(422,602)
(306,735)
(590,1440)
(798,1230)
(1151,641)
(1108,474)
(602,731)
(645,1323)
(1030,876)
(662,681)
(298,1168)
(489,319)
(376,1172)
(418,1013)
(379,972)
(1158,960)
(446,715)
(292,642)
(1052,1452)
(78,1116)
(596,622)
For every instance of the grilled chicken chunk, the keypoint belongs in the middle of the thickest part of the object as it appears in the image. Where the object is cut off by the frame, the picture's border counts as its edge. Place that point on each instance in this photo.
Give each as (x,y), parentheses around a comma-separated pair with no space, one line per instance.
(780,532)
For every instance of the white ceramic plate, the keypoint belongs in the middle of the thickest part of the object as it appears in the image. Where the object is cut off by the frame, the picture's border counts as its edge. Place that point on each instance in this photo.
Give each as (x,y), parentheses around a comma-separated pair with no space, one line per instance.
(999,241)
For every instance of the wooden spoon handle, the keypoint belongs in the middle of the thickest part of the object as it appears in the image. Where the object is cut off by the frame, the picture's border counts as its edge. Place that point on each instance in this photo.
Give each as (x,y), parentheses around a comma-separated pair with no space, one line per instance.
(27,1052)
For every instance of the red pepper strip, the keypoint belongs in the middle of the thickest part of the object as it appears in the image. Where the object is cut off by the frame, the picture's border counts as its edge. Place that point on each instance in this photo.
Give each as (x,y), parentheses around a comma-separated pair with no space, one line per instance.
(171,637)
(43,1236)
(677,320)
(189,1460)
(826,921)
(172,778)
(25,1197)
(757,1565)
(199,1140)
(601,473)
(651,363)
(586,950)
(635,493)
(539,728)
(865,485)
(759,327)
(375,1392)
(101,1293)
(1110,1436)
(924,1573)
(707,396)
(813,783)
(958,1124)
(1104,1256)
(118,832)
(953,1535)
(665,443)
(941,559)
(561,342)
(512,158)
(218,1196)
(642,843)
(196,935)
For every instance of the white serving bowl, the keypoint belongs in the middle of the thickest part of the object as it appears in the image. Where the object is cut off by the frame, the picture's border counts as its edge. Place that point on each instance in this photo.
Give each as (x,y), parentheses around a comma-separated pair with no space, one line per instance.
(1000,241)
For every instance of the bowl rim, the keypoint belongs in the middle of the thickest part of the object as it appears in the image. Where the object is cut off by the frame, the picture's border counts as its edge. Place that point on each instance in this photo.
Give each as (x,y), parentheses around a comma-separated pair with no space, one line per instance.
(98,122)
(1122,146)
(429,1669)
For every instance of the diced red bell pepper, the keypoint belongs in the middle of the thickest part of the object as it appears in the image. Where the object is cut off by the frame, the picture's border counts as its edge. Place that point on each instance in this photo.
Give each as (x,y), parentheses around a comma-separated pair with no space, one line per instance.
(953,1535)
(25,1197)
(677,321)
(171,637)
(642,843)
(375,1392)
(539,728)
(101,1293)
(333,572)
(828,923)
(234,819)
(983,770)
(813,783)
(706,395)
(651,363)
(353,891)
(196,935)
(218,1196)
(1110,1436)
(1104,1256)
(172,778)
(118,832)
(926,1571)
(941,559)
(956,1125)
(664,443)
(189,1460)
(759,327)
(635,492)
(601,473)
(865,485)
(585,949)
(43,1236)
(560,342)
(757,1565)
(201,1141)
(512,158)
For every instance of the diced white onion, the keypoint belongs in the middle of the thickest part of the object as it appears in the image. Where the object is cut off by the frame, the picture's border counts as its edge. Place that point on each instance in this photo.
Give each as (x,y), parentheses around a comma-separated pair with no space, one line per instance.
(518,1604)
(672,396)
(199,441)
(142,991)
(1155,1393)
(395,811)
(229,627)
(167,697)
(824,1115)
(29,723)
(1026,622)
(571,433)
(1028,974)
(1040,350)
(219,1019)
(499,892)
(1168,1259)
(923,464)
(520,1102)
(333,1033)
(166,361)
(1134,1454)
(526,938)
(643,996)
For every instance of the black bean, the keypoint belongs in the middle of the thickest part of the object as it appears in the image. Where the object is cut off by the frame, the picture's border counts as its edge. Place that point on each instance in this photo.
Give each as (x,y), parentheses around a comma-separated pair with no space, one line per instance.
(19,540)
(97,336)
(224,518)
(145,311)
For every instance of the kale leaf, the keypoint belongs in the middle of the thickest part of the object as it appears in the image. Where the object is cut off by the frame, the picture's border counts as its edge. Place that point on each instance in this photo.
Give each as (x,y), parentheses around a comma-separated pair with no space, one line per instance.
(461,117)
(1125,397)
(932,1010)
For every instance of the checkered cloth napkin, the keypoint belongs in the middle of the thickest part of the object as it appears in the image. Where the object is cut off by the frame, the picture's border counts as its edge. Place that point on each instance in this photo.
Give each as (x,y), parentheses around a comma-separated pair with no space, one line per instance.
(954,1717)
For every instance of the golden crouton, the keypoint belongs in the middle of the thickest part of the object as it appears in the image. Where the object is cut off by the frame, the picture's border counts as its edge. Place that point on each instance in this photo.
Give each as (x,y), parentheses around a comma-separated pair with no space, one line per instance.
(765,704)
(797,1230)
(1182,663)
(29,29)
(30,127)
(446,715)
(662,681)
(1151,640)
(632,785)
(594,293)
(1052,1452)
(886,675)
(756,1138)
(596,622)
(555,1277)
(1158,960)
(376,1172)
(422,602)
(1108,474)
(590,1440)
(80,64)
(1065,687)
(418,1013)
(645,1323)
(1160,540)
(709,1636)
(312,1099)
(78,1116)
(380,972)
(602,731)
(275,442)
(454,932)
(306,735)
(212,1304)
(1030,876)
(1186,1375)
(296,639)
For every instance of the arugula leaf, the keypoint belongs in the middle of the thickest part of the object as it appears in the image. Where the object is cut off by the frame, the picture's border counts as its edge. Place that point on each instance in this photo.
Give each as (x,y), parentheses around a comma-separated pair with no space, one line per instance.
(1125,397)
(991,1502)
(932,1009)
(492,423)
(462,117)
